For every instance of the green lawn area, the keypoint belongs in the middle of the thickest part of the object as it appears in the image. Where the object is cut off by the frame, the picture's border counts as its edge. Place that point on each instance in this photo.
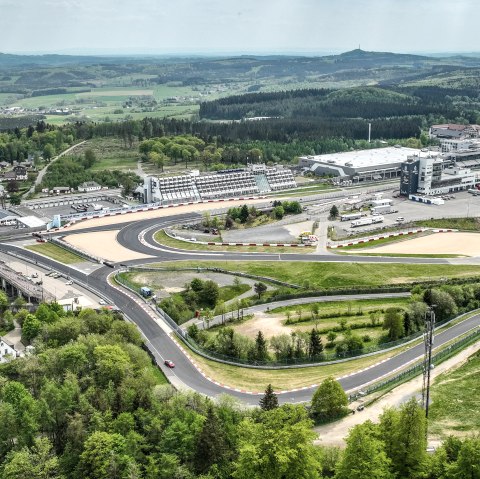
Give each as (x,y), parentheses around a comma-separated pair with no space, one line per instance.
(455,405)
(353,306)
(334,275)
(282,379)
(229,292)
(467,224)
(162,238)
(56,252)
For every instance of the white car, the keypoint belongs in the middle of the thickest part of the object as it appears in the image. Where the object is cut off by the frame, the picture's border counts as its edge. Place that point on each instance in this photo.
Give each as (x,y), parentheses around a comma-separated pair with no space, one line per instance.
(102,302)
(69,282)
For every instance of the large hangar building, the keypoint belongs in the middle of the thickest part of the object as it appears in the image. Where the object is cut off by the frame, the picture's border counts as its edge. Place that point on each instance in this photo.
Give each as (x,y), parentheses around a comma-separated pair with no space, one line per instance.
(362,165)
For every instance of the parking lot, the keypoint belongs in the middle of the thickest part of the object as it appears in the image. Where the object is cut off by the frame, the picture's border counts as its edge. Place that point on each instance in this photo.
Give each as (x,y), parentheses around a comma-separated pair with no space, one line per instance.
(463,205)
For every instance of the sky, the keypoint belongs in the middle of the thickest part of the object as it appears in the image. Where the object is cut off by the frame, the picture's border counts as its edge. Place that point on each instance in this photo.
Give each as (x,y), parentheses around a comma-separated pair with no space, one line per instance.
(238,26)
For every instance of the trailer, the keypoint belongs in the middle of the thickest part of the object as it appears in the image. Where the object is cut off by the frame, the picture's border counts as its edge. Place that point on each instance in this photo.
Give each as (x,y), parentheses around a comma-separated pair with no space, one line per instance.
(366,221)
(385,209)
(350,217)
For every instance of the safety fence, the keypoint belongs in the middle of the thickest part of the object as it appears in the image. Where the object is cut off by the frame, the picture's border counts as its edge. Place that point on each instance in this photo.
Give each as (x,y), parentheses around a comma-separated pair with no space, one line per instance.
(413,371)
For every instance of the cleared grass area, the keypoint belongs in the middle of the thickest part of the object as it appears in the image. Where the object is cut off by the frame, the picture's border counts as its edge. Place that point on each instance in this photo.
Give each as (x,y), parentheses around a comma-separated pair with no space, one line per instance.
(335,275)
(111,154)
(354,306)
(455,405)
(282,379)
(55,252)
(162,238)
(466,224)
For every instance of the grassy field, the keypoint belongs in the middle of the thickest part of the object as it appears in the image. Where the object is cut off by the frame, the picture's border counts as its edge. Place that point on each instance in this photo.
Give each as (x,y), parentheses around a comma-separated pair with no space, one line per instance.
(334,275)
(466,224)
(56,252)
(455,405)
(335,307)
(162,238)
(111,154)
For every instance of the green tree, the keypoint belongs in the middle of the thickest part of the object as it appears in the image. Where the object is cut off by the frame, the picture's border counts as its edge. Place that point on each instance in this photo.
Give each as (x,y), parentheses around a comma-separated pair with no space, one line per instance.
(278,212)
(444,305)
(210,446)
(467,465)
(333,212)
(15,199)
(48,152)
(269,400)
(329,400)
(244,213)
(407,449)
(393,322)
(364,456)
(102,453)
(39,462)
(315,346)
(89,158)
(260,352)
(279,446)
(209,294)
(260,288)
(31,327)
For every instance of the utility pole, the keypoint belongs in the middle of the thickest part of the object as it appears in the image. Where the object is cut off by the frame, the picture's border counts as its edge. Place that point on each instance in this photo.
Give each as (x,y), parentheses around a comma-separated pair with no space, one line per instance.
(428,338)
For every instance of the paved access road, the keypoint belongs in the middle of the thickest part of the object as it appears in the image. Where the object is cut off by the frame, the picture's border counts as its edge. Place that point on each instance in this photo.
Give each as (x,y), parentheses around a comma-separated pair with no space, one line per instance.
(164,347)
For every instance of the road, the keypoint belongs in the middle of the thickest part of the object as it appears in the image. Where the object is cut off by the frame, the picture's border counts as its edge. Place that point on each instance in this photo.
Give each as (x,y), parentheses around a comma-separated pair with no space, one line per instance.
(157,336)
(42,172)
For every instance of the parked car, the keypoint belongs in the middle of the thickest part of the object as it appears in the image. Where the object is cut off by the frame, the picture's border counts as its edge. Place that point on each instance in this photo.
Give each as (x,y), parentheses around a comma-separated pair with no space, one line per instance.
(169,364)
(69,282)
(102,302)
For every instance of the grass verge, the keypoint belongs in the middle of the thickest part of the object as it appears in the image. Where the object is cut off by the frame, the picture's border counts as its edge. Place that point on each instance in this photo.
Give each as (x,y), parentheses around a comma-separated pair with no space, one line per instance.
(455,405)
(55,252)
(335,275)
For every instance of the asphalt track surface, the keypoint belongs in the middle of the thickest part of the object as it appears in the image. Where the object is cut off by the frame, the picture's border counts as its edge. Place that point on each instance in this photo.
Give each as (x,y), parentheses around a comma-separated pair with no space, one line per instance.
(162,345)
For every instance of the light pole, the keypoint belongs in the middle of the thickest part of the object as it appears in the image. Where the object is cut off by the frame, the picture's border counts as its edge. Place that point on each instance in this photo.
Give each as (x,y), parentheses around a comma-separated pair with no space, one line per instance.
(428,338)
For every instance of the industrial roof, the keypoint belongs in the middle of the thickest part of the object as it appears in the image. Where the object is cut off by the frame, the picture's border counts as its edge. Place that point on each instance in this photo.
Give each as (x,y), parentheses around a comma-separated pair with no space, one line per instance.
(31,221)
(369,158)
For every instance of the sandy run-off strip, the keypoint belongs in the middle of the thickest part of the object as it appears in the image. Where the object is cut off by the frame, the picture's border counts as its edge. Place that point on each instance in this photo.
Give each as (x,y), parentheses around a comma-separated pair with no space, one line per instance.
(160,213)
(467,244)
(103,244)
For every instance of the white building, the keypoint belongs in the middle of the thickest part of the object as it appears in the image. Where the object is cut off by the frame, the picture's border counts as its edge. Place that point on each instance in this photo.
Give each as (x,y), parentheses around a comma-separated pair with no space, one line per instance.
(7,351)
(456,145)
(89,186)
(362,165)
(433,179)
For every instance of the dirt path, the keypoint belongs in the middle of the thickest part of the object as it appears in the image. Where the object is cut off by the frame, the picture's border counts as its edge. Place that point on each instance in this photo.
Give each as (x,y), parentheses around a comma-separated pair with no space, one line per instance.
(334,434)
(437,243)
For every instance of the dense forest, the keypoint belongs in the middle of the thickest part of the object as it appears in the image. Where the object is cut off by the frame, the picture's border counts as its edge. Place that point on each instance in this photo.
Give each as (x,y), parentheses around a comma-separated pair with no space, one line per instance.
(87,403)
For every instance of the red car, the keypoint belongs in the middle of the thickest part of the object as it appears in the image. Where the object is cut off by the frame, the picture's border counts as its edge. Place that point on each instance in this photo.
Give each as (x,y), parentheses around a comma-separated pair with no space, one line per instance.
(169,363)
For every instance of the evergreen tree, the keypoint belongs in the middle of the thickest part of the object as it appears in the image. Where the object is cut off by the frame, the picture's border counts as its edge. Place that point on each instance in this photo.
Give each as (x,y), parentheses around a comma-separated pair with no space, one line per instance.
(260,352)
(244,213)
(333,212)
(211,443)
(269,400)
(260,288)
(315,347)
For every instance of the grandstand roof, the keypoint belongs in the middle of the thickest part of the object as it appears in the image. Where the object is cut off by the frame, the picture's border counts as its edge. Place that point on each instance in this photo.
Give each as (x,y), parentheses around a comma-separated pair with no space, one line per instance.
(369,158)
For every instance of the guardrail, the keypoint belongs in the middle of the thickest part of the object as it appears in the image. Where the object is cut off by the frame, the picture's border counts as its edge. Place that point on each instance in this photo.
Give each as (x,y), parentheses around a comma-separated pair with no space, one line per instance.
(417,368)
(73,249)
(326,359)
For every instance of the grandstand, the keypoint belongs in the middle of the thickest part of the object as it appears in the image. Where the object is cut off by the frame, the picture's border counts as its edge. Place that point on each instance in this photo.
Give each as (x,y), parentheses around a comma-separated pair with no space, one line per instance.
(251,181)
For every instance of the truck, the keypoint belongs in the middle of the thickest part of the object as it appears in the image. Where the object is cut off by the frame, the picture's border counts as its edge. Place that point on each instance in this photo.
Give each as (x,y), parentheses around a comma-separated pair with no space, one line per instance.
(145,292)
(366,221)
